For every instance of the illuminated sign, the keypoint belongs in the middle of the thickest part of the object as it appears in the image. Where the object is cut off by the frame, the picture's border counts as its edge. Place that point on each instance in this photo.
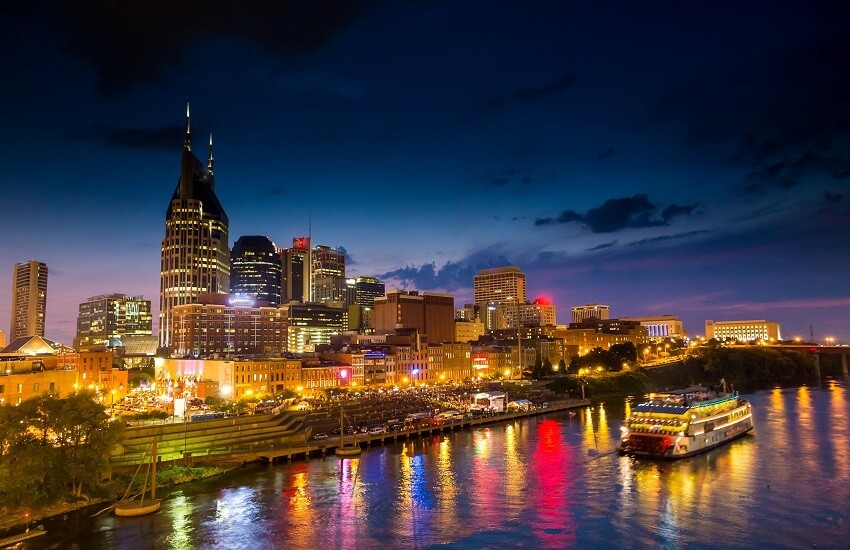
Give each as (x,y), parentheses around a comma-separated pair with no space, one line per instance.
(301,243)
(480,363)
(241,300)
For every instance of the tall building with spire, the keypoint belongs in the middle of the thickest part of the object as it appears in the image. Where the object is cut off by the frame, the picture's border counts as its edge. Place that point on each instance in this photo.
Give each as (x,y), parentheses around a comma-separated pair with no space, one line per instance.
(195,252)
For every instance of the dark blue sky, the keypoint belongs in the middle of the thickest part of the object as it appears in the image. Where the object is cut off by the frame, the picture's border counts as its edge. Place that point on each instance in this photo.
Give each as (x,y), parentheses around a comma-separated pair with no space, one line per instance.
(675,160)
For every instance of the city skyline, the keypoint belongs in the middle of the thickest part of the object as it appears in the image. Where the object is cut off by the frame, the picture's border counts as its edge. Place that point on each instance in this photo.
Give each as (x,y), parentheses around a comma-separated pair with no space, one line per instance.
(700,169)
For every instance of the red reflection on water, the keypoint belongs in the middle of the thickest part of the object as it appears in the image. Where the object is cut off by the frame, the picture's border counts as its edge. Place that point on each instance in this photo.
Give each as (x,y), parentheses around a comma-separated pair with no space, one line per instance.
(552,522)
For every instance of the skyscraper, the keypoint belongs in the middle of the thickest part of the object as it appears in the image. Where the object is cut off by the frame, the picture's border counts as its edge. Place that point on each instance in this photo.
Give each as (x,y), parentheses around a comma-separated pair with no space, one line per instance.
(500,285)
(295,271)
(195,253)
(109,316)
(29,299)
(255,269)
(328,274)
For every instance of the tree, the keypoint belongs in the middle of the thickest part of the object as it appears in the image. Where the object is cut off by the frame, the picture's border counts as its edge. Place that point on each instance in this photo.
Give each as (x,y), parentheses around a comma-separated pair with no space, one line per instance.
(562,366)
(547,366)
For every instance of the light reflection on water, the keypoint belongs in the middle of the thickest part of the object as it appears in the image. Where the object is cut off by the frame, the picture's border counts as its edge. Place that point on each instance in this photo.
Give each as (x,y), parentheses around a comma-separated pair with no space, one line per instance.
(548,482)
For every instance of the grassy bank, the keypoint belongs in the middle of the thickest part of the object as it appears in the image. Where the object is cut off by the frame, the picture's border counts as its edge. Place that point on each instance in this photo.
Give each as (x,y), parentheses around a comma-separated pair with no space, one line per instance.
(13,519)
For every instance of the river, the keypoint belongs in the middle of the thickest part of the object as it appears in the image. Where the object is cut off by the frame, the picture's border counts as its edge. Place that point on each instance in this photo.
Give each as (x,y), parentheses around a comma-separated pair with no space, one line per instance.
(553,481)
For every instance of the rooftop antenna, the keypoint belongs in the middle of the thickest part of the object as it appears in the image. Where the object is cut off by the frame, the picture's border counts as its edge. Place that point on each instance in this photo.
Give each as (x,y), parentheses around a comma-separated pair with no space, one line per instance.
(811,334)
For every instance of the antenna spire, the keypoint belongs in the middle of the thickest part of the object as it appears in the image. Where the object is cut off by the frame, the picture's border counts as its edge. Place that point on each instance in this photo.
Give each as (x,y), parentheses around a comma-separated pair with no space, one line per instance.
(187,139)
(210,160)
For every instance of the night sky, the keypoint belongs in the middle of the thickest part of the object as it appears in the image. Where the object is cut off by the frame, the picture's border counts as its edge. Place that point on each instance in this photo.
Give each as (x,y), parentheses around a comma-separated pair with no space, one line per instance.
(691,159)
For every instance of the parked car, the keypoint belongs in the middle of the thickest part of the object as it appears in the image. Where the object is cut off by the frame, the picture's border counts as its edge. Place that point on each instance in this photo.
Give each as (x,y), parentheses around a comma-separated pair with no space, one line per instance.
(320,435)
(375,430)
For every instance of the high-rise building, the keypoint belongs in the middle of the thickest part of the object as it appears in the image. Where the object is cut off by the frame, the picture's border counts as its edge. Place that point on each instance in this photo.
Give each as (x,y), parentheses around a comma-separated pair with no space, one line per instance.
(360,294)
(591,311)
(495,287)
(295,271)
(29,299)
(255,269)
(109,317)
(195,253)
(500,285)
(328,274)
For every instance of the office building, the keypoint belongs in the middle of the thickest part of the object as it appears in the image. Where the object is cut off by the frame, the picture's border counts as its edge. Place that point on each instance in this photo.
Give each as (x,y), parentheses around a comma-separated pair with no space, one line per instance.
(328,274)
(591,311)
(195,252)
(429,313)
(104,320)
(29,299)
(745,331)
(533,314)
(598,333)
(363,291)
(295,271)
(255,269)
(311,325)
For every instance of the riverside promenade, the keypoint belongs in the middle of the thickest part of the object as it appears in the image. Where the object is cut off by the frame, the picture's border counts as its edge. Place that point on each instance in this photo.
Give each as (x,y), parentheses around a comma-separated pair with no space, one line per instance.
(289,435)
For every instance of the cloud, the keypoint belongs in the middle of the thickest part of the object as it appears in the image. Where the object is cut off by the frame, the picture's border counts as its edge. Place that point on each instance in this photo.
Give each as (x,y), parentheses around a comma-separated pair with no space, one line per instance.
(450,276)
(791,170)
(349,259)
(622,213)
(510,177)
(674,237)
(133,43)
(164,138)
(609,244)
(678,210)
(531,94)
(832,197)
(609,152)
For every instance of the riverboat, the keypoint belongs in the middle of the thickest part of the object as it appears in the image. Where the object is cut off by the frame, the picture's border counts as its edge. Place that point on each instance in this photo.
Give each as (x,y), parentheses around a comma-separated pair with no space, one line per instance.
(681,423)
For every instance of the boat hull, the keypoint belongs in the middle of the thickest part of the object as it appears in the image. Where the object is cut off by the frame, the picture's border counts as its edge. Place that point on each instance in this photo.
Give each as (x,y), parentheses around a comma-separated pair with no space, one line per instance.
(666,456)
(136,508)
(348,450)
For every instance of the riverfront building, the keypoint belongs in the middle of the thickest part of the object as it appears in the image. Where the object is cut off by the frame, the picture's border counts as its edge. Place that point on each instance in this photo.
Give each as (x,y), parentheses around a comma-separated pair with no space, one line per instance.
(195,253)
(29,299)
(104,320)
(745,331)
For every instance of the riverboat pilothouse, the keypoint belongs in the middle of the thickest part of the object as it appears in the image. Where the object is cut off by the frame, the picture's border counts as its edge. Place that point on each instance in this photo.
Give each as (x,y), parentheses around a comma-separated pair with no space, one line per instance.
(682,423)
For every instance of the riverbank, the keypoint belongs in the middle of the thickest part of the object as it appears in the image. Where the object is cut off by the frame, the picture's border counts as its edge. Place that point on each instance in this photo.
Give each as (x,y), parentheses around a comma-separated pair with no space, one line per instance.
(744,369)
(14,520)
